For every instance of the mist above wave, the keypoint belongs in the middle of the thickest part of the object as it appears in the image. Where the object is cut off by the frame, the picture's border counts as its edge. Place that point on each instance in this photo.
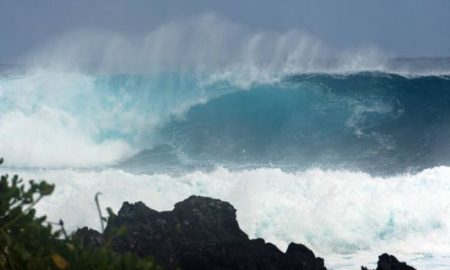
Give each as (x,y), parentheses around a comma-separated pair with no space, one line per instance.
(206,43)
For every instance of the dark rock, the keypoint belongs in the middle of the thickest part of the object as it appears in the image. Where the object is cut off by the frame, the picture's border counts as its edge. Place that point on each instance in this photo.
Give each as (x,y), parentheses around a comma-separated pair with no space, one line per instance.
(89,237)
(389,262)
(203,218)
(298,252)
(201,233)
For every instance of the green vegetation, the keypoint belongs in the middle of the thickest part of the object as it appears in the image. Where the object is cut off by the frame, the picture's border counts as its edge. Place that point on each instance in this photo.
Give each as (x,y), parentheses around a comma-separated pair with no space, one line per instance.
(30,242)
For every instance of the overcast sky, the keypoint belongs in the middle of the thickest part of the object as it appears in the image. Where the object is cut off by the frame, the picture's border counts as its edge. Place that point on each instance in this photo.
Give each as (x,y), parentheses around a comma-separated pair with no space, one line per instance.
(397,27)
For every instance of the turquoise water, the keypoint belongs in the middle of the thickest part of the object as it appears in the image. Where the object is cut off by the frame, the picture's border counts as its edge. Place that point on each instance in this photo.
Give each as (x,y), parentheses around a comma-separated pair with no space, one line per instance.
(352,164)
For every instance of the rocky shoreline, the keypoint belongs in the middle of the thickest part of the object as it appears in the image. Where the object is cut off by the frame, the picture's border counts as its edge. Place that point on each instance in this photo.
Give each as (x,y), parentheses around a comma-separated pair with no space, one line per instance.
(203,233)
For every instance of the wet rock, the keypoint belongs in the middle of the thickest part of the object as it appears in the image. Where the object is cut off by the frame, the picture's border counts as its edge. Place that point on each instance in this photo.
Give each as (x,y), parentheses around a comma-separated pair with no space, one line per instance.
(89,237)
(389,262)
(201,233)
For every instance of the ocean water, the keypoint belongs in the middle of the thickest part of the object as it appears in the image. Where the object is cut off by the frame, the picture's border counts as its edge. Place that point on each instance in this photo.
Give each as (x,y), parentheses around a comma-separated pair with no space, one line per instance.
(351,161)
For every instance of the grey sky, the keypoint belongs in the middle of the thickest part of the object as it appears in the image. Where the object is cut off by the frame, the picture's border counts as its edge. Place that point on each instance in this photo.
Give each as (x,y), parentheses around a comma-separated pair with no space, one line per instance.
(397,27)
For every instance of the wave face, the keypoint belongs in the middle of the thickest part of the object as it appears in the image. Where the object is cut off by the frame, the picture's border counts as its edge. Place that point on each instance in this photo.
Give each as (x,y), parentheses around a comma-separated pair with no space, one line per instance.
(370,121)
(374,122)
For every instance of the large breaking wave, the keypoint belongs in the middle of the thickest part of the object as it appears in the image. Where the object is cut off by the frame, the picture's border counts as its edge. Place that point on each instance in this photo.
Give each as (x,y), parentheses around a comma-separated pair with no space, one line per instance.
(366,121)
(347,152)
(370,121)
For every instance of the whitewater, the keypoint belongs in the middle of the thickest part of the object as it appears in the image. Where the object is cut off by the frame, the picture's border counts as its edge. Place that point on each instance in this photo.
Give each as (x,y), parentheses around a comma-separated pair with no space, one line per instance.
(348,155)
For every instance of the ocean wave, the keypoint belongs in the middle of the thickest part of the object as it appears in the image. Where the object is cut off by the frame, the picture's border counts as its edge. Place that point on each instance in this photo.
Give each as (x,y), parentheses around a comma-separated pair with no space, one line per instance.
(55,119)
(374,122)
(371,121)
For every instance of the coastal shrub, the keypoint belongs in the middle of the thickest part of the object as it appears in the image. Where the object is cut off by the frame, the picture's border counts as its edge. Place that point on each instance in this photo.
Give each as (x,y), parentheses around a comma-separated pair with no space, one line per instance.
(30,242)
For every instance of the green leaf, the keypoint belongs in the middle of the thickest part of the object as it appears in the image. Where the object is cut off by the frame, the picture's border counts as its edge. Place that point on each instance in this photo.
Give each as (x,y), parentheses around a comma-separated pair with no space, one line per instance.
(45,189)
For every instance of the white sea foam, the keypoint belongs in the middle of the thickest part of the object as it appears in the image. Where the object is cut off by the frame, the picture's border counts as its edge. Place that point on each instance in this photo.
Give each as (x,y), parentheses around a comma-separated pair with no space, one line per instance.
(333,212)
(53,120)
(70,119)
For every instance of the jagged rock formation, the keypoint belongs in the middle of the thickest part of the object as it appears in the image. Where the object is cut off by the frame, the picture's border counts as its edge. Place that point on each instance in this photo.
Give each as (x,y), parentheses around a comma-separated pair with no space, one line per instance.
(201,233)
(389,262)
(89,237)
